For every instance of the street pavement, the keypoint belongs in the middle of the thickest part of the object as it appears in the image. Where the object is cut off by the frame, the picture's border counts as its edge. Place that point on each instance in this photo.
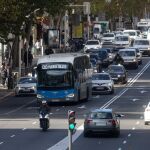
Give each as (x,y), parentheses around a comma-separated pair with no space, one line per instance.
(19,124)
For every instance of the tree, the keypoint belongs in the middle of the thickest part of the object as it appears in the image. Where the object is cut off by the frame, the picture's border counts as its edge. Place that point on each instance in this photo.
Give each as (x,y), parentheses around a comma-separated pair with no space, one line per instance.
(15,15)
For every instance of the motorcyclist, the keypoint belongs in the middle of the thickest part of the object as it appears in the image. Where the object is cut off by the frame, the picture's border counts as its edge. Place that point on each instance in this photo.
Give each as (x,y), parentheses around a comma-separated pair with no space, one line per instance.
(118,59)
(44,108)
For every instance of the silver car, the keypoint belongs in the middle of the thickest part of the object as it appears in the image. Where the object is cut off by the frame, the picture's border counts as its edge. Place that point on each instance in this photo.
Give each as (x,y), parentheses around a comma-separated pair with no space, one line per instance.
(102,83)
(102,121)
(25,86)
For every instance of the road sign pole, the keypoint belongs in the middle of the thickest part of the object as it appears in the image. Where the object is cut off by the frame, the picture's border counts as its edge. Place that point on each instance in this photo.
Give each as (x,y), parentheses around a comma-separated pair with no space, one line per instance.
(70,139)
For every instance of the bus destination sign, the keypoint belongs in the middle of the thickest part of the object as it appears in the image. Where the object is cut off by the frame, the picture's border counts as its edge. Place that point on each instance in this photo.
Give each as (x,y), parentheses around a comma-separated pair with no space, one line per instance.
(54,66)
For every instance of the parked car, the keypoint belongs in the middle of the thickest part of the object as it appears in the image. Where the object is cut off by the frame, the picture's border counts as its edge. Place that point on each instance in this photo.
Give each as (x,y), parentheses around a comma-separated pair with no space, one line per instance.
(25,86)
(118,73)
(147,114)
(102,83)
(102,121)
(129,57)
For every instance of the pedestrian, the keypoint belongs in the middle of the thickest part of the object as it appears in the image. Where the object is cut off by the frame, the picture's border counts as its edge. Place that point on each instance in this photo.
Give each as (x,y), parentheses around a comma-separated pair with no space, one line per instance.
(4,75)
(38,47)
(30,58)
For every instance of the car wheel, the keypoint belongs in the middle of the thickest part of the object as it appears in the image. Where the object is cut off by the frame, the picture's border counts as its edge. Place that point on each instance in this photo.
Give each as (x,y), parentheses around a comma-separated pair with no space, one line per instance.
(117,134)
(86,134)
(146,123)
(112,90)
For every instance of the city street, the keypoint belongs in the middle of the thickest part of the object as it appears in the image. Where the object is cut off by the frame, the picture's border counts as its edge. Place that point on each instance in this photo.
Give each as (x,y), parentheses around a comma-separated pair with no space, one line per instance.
(19,124)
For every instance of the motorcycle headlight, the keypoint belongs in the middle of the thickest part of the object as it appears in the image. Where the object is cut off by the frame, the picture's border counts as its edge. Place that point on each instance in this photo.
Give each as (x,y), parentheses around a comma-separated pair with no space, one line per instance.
(40,96)
(70,95)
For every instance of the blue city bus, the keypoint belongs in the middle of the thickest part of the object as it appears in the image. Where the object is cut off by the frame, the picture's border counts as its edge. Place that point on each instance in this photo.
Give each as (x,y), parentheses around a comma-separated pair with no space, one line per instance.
(63,77)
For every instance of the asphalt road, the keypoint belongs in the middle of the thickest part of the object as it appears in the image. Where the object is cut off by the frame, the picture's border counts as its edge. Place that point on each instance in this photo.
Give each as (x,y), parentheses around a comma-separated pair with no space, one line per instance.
(19,125)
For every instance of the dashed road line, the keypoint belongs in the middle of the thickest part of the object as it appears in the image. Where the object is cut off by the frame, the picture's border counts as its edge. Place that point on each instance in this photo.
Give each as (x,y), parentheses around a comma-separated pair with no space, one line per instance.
(34,123)
(1,143)
(24,129)
(129,135)
(124,142)
(12,136)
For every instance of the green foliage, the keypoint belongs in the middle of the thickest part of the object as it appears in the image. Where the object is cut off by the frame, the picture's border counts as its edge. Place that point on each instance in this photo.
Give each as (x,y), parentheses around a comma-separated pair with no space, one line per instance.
(13,13)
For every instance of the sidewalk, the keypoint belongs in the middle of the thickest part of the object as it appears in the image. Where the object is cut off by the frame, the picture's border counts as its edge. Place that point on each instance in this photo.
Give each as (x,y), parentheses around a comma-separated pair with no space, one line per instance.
(4,92)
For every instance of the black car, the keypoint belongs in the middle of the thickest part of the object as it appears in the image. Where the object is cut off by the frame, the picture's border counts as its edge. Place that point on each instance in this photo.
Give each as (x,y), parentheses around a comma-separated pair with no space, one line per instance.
(118,73)
(104,57)
(98,61)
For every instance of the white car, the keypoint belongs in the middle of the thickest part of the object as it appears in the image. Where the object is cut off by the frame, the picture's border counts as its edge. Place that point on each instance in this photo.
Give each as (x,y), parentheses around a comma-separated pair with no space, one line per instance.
(122,41)
(133,34)
(147,114)
(108,37)
(102,83)
(143,45)
(92,44)
(130,57)
(25,86)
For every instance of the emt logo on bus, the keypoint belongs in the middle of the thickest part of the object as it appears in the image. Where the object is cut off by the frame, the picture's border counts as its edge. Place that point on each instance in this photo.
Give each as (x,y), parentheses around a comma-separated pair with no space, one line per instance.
(54,66)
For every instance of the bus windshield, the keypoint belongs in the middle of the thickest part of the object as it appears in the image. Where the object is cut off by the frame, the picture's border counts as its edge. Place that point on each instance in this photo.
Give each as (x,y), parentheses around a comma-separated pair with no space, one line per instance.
(55,79)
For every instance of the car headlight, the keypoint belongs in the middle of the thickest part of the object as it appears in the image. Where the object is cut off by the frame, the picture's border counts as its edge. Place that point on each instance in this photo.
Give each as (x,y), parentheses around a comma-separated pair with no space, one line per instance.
(70,95)
(109,84)
(40,96)
(18,87)
(119,75)
(134,60)
(149,48)
(33,87)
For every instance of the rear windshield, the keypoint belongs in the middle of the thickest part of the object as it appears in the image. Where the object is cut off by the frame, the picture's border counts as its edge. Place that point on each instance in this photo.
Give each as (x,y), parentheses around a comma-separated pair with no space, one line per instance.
(127,53)
(108,35)
(101,115)
(92,43)
(141,42)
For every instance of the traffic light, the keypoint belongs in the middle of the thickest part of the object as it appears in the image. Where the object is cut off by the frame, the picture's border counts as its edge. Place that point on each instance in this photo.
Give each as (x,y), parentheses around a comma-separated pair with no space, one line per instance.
(71,120)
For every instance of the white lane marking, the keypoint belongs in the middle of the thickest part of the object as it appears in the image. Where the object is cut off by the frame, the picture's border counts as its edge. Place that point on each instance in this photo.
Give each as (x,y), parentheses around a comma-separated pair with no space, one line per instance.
(63,144)
(129,79)
(124,142)
(5,96)
(119,148)
(19,108)
(135,99)
(24,129)
(129,135)
(34,123)
(142,92)
(82,107)
(57,109)
(133,128)
(1,143)
(51,113)
(12,136)
(137,122)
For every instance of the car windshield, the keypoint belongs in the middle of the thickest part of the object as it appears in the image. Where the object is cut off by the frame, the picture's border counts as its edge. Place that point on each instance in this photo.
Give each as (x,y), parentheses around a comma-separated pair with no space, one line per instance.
(92,43)
(122,38)
(127,53)
(101,115)
(102,54)
(108,35)
(96,30)
(116,69)
(130,33)
(100,77)
(27,80)
(141,42)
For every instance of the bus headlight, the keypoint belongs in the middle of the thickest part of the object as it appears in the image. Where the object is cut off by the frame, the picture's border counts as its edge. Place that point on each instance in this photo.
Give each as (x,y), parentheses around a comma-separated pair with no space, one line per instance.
(40,96)
(70,95)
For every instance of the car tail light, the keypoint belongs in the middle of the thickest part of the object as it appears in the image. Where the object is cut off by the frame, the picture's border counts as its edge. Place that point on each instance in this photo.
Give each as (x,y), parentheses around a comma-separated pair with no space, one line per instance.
(88,121)
(113,122)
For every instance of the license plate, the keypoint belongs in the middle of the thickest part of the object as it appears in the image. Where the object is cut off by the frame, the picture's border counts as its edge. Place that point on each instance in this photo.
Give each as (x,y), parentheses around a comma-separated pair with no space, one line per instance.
(26,90)
(101,124)
(55,100)
(99,88)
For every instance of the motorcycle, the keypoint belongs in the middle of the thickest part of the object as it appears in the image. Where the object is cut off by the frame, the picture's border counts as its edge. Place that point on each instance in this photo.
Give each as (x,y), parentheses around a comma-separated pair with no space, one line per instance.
(44,120)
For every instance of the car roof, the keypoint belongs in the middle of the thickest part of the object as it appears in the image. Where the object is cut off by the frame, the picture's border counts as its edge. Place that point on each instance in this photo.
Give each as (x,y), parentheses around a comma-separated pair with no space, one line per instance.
(102,110)
(104,73)
(127,50)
